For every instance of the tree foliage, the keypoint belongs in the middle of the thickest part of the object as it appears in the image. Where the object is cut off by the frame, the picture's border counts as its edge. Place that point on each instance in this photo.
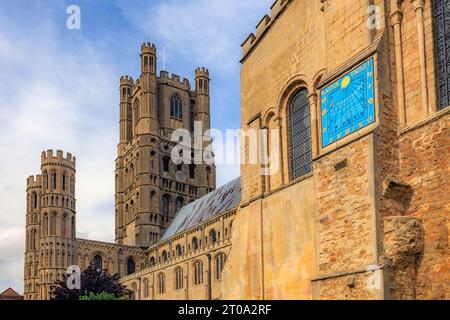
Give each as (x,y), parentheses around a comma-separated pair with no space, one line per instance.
(94,282)
(101,296)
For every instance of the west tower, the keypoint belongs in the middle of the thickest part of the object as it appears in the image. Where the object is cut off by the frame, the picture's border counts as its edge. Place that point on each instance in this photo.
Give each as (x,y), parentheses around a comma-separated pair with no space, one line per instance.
(55,223)
(150,188)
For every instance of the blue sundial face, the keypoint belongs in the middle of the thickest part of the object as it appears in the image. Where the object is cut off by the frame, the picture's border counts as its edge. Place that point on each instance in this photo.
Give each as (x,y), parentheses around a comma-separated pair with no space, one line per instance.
(348,104)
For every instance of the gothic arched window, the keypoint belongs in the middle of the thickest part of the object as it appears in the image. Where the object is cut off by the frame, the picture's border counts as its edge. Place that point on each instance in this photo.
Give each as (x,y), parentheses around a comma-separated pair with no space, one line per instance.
(179,251)
(165,206)
(220,261)
(192,124)
(176,108)
(129,123)
(145,284)
(72,227)
(195,244)
(166,161)
(179,278)
(34,200)
(53,224)
(34,239)
(299,131)
(441,15)
(137,112)
(213,236)
(180,202)
(64,225)
(165,256)
(134,288)
(53,180)
(198,272)
(98,263)
(45,177)
(161,283)
(72,185)
(131,181)
(152,200)
(131,266)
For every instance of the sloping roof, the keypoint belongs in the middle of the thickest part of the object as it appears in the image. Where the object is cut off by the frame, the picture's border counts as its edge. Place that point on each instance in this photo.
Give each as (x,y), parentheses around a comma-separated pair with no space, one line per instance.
(10,294)
(222,199)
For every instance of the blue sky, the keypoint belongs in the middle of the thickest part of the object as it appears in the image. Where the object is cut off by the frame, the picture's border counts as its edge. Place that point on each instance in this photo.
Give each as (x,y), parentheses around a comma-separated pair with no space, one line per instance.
(59,90)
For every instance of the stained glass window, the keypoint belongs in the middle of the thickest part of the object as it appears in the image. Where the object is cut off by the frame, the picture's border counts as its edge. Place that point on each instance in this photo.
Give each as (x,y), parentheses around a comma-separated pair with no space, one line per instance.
(441,13)
(98,263)
(299,126)
(176,108)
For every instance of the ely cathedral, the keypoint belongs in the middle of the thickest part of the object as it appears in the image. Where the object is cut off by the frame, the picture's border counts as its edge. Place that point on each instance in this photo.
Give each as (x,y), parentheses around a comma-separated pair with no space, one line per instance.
(351,203)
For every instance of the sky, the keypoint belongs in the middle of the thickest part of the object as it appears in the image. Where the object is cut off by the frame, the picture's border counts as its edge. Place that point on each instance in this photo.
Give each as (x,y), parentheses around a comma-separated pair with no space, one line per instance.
(59,90)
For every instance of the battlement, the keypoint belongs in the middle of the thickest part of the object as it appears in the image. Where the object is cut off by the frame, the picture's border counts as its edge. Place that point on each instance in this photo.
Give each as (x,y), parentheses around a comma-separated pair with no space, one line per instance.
(148,48)
(263,26)
(34,181)
(126,81)
(202,72)
(174,78)
(49,158)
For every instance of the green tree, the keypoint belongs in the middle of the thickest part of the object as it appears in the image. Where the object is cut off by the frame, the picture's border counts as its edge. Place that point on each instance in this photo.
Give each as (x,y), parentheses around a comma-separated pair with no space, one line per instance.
(102,296)
(92,282)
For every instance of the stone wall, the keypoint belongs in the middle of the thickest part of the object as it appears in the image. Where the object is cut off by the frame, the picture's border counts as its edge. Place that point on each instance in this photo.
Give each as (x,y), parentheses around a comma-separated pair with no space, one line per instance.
(403,243)
(145,283)
(425,167)
(114,256)
(273,254)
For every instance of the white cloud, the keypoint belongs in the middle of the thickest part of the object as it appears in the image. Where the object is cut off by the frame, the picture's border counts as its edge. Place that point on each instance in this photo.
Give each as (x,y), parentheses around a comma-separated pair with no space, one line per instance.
(209,32)
(52,97)
(205,33)
(11,258)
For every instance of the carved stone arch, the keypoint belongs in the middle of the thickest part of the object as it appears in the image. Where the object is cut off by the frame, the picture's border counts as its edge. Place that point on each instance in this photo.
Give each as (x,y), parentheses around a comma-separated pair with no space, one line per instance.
(130,267)
(293,85)
(64,180)
(161,282)
(64,224)
(317,79)
(219,262)
(315,111)
(198,269)
(34,201)
(176,107)
(271,145)
(268,115)
(104,259)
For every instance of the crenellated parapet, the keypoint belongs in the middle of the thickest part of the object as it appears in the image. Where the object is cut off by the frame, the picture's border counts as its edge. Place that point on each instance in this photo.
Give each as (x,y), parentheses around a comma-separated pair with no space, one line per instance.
(49,158)
(174,79)
(34,182)
(126,81)
(202,72)
(263,26)
(148,48)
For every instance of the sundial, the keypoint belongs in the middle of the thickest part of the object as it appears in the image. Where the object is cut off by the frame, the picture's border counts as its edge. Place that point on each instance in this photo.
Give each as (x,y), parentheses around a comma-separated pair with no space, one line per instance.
(348,104)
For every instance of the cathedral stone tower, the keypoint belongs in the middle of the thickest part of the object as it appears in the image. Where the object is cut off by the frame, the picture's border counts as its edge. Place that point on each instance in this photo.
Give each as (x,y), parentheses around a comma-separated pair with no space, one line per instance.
(150,188)
(54,192)
(32,231)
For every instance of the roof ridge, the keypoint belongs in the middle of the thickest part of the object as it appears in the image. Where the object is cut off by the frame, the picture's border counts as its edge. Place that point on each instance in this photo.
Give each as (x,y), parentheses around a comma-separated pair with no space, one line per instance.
(224,198)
